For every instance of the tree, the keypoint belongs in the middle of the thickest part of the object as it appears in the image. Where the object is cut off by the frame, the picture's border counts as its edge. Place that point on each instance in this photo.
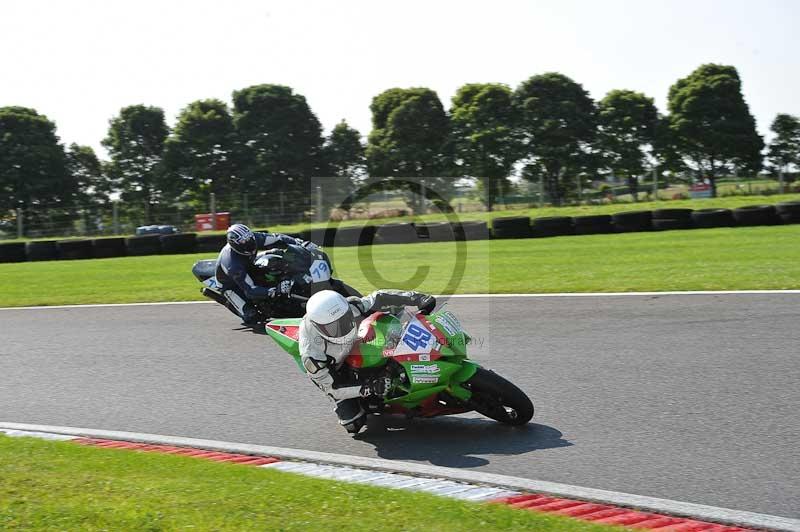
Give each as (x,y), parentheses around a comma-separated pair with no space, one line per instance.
(712,123)
(93,186)
(200,153)
(135,142)
(484,137)
(344,154)
(410,138)
(32,163)
(557,123)
(784,150)
(281,145)
(627,123)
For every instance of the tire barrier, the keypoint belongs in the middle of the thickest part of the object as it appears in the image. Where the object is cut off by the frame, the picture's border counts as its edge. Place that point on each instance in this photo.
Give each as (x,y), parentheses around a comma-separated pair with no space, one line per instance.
(178,243)
(438,232)
(13,252)
(472,230)
(75,249)
(633,221)
(109,247)
(596,224)
(143,245)
(756,215)
(708,218)
(668,219)
(789,212)
(511,227)
(347,236)
(396,233)
(322,236)
(210,243)
(552,226)
(42,250)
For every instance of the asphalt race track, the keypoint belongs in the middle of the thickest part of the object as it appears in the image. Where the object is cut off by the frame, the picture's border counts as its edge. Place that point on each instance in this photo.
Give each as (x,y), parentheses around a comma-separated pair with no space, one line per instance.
(688,397)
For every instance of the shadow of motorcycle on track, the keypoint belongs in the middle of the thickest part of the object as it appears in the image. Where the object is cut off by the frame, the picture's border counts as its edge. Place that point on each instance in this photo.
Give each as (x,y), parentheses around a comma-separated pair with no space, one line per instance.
(452,442)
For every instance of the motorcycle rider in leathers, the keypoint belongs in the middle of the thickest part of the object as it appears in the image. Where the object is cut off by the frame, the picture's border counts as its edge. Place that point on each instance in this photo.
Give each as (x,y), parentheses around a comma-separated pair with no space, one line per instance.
(234,263)
(329,331)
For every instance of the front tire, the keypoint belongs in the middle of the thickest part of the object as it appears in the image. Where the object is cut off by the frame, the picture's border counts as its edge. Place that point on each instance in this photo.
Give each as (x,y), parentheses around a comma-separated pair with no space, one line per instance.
(496,398)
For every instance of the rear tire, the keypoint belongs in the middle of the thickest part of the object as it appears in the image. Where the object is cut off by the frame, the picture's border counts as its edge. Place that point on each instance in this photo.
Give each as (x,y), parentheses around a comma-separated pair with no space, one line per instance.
(498,399)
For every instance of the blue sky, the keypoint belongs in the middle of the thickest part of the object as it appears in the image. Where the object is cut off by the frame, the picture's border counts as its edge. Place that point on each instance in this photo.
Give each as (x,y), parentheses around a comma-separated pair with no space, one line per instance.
(80,61)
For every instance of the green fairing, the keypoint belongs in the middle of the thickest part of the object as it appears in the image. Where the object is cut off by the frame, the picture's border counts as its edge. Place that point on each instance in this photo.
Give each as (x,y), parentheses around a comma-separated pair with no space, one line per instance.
(452,368)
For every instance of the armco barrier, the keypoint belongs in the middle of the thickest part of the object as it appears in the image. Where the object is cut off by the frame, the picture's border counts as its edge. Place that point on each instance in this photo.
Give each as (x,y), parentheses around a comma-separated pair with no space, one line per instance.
(41,250)
(13,252)
(437,232)
(109,247)
(75,249)
(552,226)
(633,221)
(472,230)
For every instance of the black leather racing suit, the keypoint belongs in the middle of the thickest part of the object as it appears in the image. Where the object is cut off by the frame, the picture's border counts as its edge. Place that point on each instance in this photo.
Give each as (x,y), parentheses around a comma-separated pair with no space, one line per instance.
(233,274)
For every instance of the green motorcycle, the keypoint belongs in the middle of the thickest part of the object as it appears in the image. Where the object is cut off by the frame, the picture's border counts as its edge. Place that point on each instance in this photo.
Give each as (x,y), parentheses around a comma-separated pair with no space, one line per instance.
(425,360)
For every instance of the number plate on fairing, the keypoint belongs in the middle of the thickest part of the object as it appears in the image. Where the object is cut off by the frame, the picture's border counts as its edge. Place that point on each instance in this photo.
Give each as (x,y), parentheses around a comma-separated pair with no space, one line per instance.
(415,339)
(320,271)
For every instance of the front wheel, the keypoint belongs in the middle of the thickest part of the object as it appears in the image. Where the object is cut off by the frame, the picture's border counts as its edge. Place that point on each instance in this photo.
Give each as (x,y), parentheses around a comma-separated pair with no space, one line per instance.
(498,399)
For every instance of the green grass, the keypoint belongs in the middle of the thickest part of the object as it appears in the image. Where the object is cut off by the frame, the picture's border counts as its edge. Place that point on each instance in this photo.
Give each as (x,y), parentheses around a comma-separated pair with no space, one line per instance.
(47,485)
(703,259)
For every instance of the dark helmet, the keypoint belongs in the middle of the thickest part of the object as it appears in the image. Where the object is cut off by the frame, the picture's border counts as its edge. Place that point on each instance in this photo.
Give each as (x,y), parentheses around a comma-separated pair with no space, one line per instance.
(242,240)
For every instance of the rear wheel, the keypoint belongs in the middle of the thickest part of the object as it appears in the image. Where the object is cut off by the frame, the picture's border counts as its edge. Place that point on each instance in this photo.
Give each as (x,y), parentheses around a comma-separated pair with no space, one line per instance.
(498,399)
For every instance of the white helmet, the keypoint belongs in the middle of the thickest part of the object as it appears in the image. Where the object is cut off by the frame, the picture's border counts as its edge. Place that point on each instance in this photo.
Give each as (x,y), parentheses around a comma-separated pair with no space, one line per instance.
(330,313)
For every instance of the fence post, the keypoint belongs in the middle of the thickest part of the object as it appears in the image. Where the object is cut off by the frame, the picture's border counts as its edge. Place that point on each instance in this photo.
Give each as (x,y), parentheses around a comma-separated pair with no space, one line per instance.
(541,190)
(20,225)
(319,203)
(213,204)
(655,182)
(780,179)
(115,216)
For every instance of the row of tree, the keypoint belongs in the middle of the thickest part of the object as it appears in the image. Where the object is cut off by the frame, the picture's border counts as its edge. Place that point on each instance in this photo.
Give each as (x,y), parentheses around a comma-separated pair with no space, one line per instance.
(270,144)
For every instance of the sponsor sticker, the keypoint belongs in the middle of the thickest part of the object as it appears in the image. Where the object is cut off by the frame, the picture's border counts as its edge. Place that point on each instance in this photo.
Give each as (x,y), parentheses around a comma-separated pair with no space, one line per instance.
(449,323)
(424,379)
(424,368)
(425,357)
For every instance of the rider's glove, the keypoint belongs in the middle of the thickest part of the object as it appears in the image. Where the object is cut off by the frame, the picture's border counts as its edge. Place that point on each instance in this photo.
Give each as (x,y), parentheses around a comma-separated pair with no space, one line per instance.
(283,288)
(427,304)
(375,388)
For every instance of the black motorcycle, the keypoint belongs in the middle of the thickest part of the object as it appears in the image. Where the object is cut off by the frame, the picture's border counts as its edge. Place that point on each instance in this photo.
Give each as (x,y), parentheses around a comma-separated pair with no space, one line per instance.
(308,268)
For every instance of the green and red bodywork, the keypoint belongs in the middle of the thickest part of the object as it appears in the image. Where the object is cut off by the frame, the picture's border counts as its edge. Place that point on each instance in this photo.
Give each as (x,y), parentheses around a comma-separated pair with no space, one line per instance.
(441,366)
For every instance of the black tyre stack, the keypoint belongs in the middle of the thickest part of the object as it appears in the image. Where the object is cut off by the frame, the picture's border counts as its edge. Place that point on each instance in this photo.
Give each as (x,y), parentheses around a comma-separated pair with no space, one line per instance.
(143,245)
(41,250)
(210,243)
(75,249)
(789,212)
(396,233)
(596,224)
(633,221)
(321,236)
(347,236)
(13,252)
(552,226)
(437,232)
(667,219)
(511,227)
(179,243)
(472,230)
(708,218)
(753,215)
(108,247)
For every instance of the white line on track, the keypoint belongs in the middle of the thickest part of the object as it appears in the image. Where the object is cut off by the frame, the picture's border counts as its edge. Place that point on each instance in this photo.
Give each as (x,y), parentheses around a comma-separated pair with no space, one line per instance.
(460,296)
(666,506)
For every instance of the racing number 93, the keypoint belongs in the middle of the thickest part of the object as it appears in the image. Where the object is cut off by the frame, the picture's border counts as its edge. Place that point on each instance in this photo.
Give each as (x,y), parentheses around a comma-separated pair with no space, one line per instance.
(416,337)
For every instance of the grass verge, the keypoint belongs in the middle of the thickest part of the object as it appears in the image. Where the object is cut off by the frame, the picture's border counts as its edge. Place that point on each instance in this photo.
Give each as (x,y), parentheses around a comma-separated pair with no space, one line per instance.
(47,485)
(755,258)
